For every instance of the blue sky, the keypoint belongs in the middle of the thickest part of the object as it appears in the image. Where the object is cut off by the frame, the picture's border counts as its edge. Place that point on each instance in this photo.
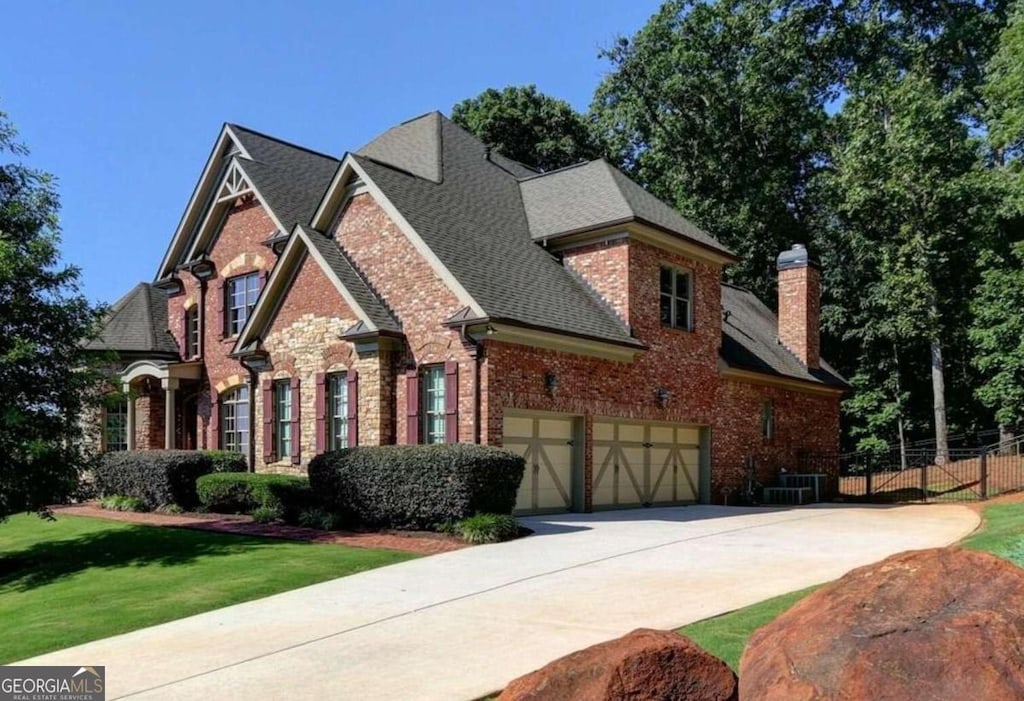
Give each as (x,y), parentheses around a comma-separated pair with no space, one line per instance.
(122,101)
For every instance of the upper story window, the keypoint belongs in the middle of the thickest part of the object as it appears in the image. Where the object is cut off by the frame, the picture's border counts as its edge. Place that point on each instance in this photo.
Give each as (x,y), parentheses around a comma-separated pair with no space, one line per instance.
(432,396)
(115,425)
(192,332)
(676,298)
(283,418)
(768,420)
(234,420)
(337,411)
(240,297)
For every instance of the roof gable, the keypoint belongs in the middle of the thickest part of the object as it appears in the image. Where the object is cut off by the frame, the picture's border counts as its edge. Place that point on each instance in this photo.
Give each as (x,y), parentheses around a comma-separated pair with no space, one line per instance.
(373,314)
(473,221)
(288,180)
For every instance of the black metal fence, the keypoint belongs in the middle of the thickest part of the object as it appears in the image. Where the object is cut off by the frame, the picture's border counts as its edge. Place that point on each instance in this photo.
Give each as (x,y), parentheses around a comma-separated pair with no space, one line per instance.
(915,474)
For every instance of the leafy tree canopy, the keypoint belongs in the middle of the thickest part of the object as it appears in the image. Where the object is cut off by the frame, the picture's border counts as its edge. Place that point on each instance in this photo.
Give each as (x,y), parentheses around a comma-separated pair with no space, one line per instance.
(45,375)
(528,126)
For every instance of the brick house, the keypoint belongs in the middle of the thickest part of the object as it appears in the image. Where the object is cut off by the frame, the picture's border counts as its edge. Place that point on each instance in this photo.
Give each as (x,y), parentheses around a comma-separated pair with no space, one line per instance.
(424,289)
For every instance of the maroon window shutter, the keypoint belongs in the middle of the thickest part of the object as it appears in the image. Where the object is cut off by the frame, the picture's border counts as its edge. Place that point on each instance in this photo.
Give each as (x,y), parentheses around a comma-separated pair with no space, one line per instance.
(268,421)
(184,335)
(296,422)
(412,407)
(451,402)
(214,420)
(218,309)
(321,412)
(353,408)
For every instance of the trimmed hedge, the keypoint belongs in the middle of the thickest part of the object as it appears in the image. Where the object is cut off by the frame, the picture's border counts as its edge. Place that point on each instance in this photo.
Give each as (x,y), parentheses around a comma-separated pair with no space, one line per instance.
(416,487)
(226,461)
(245,493)
(157,477)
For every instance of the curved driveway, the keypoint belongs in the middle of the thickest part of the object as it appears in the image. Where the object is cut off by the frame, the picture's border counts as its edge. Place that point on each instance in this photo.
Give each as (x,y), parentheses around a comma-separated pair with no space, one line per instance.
(461,624)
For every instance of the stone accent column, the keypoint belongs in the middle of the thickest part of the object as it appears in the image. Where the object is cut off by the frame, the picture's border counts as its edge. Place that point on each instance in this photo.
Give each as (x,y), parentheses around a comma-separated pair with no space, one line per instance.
(170,386)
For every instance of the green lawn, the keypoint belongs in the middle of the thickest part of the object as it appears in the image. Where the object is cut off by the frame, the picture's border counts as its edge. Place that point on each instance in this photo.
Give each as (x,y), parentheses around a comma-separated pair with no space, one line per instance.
(73,580)
(725,636)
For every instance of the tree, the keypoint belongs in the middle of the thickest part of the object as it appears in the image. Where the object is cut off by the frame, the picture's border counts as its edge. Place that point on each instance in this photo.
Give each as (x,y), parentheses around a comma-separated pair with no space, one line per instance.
(998,334)
(45,374)
(716,107)
(528,126)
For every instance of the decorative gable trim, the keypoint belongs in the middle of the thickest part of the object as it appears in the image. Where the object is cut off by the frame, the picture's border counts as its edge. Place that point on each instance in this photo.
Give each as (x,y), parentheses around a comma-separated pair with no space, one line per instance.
(341,189)
(222,167)
(281,280)
(225,147)
(234,176)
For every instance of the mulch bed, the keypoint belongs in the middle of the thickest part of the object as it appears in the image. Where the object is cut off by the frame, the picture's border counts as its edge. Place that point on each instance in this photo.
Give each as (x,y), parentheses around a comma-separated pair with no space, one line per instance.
(420,543)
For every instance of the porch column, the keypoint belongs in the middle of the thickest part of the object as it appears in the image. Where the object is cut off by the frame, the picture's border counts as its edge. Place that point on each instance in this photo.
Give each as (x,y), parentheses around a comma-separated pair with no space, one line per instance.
(129,419)
(170,385)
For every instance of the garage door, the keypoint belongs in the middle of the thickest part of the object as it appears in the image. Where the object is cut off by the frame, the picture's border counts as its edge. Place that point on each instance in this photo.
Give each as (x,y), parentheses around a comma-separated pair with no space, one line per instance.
(646,463)
(546,441)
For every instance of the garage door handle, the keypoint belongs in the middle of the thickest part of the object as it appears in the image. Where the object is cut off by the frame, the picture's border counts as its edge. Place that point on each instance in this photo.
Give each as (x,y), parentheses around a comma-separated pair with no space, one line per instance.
(648,445)
(570,443)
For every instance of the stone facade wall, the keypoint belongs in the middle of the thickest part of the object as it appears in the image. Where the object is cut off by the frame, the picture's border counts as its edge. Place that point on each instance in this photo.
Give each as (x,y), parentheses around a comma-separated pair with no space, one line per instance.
(417,296)
(800,313)
(236,250)
(303,341)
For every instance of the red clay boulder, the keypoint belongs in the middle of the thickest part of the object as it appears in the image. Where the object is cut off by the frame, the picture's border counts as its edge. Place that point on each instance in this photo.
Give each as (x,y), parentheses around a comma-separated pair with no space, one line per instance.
(930,624)
(645,665)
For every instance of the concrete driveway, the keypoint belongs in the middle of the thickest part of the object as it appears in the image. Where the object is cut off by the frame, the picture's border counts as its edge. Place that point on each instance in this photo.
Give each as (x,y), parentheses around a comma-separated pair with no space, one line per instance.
(461,624)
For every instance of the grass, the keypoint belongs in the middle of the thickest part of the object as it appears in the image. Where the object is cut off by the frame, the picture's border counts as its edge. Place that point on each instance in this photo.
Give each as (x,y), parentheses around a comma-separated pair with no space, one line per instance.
(725,636)
(73,580)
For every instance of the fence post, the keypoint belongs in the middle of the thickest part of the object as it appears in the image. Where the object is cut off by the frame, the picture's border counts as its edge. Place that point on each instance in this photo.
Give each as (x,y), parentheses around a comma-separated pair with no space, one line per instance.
(924,481)
(984,473)
(869,471)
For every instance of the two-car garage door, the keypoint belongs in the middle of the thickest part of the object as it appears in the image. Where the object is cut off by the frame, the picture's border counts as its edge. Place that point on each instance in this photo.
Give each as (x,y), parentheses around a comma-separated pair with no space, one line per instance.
(634,463)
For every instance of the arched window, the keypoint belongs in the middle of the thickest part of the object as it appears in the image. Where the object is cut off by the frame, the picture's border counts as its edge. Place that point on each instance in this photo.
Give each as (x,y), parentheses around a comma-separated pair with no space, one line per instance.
(234,419)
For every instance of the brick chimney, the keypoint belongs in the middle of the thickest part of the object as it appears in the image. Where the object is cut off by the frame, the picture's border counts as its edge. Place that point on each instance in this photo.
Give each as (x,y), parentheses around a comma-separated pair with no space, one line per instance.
(800,305)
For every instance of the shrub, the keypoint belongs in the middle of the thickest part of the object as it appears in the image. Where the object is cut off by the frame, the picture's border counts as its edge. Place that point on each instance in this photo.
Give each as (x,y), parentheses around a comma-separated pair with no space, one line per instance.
(319,519)
(416,487)
(170,509)
(154,476)
(244,492)
(487,528)
(226,461)
(120,502)
(265,514)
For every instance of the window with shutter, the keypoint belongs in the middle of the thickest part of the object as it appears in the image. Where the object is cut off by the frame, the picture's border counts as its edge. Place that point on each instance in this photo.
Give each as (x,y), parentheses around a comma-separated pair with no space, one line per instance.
(296,451)
(433,404)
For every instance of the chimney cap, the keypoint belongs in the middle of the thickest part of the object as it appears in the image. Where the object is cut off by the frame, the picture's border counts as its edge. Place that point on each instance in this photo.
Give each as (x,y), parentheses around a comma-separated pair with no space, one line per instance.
(796,257)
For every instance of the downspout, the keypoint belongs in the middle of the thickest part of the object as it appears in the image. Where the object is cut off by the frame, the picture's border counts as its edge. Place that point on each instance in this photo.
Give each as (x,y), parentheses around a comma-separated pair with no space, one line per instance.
(478,358)
(254,385)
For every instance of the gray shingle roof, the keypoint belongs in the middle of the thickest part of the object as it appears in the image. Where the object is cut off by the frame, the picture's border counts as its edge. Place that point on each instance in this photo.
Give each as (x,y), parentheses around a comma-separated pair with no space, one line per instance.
(353,281)
(473,219)
(137,323)
(750,341)
(291,179)
(596,194)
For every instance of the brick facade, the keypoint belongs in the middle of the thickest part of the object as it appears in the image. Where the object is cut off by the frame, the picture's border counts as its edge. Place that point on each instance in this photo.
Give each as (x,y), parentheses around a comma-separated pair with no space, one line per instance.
(303,341)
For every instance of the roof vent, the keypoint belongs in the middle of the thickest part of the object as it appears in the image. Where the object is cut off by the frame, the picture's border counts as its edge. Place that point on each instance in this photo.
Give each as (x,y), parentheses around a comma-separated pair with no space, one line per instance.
(487,153)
